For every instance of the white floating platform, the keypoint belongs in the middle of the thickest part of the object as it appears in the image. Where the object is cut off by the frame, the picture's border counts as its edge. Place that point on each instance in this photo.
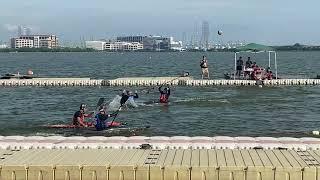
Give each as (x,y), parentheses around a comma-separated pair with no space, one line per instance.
(155,81)
(160,158)
(158,142)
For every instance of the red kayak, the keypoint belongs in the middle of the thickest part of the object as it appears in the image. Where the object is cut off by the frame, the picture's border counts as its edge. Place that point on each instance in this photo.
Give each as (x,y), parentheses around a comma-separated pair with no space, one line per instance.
(69,126)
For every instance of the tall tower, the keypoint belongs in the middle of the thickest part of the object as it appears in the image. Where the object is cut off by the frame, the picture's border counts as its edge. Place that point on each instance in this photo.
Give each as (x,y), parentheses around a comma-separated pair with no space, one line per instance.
(19,30)
(195,37)
(184,38)
(205,35)
(28,31)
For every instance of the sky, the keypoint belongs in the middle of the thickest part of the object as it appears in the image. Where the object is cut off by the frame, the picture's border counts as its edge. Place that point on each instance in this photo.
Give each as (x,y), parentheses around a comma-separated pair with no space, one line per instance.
(272,22)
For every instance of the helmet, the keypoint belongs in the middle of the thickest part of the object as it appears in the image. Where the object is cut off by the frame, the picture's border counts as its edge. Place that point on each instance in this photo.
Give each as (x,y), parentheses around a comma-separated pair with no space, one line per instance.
(83,106)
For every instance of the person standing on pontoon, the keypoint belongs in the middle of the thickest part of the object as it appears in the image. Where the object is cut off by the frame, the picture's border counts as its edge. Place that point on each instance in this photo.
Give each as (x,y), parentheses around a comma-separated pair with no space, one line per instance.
(204,68)
(248,70)
(239,67)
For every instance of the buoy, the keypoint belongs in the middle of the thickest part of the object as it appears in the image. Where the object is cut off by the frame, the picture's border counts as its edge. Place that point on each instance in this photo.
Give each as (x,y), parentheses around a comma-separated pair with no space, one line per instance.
(220,33)
(260,86)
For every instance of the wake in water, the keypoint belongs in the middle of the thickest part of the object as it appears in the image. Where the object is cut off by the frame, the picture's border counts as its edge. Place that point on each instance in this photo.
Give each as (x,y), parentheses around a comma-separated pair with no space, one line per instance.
(115,103)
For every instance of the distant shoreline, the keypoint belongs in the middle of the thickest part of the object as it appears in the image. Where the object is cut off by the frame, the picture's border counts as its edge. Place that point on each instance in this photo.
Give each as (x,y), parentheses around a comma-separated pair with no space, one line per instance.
(294,48)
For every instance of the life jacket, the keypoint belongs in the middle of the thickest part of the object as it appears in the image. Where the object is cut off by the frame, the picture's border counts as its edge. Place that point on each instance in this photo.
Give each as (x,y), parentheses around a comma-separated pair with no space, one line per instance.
(204,64)
(100,123)
(164,98)
(75,118)
(269,75)
(124,99)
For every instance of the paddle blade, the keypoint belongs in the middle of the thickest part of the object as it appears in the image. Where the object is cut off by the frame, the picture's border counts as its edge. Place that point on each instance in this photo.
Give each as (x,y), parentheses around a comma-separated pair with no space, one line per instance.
(100,102)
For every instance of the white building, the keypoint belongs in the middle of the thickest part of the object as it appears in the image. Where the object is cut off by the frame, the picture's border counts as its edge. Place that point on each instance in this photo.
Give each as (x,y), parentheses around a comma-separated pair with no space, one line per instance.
(123,46)
(38,41)
(97,45)
(21,43)
(3,46)
(175,45)
(133,46)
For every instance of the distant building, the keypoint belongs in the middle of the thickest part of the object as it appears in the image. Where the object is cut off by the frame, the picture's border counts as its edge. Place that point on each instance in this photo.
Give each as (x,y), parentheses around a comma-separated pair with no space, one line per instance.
(205,35)
(3,46)
(19,30)
(97,45)
(156,43)
(17,43)
(123,46)
(27,31)
(23,30)
(175,45)
(133,46)
(38,41)
(131,39)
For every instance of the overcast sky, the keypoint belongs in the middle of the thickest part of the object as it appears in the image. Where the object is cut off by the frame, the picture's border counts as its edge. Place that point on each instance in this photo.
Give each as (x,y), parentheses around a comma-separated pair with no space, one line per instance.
(269,22)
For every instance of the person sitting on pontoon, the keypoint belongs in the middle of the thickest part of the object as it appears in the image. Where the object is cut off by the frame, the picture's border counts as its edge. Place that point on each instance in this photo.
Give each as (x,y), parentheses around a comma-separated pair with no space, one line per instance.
(248,70)
(248,63)
(269,74)
(254,65)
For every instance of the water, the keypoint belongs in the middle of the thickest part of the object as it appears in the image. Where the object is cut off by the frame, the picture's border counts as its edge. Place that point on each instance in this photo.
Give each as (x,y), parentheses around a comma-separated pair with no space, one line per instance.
(192,111)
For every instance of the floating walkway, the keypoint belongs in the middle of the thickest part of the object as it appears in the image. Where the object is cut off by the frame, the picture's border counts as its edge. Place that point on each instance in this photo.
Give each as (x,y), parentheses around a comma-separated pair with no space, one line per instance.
(154,81)
(162,158)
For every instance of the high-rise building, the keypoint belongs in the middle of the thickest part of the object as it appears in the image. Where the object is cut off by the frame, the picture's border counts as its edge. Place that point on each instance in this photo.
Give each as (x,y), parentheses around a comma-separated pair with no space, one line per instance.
(205,35)
(195,38)
(19,30)
(27,31)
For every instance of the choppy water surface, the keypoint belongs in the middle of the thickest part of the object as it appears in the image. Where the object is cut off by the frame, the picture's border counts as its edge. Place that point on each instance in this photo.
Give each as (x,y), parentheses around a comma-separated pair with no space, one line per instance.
(193,111)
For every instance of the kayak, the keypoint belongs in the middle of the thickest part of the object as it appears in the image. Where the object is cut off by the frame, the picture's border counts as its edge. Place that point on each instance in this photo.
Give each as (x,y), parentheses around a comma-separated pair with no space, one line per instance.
(121,131)
(71,126)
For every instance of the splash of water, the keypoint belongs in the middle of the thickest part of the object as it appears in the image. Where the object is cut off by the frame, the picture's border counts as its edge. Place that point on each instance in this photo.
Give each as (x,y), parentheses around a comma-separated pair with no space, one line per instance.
(115,103)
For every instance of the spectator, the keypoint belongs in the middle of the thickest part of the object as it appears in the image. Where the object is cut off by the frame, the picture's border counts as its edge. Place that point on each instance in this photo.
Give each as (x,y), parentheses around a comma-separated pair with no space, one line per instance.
(204,68)
(239,66)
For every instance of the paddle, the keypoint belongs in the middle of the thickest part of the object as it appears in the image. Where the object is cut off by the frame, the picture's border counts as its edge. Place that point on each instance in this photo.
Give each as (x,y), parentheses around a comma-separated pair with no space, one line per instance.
(115,116)
(99,103)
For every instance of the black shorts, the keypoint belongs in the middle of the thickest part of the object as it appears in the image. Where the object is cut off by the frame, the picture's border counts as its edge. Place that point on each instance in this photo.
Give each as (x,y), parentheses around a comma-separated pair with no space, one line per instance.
(239,68)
